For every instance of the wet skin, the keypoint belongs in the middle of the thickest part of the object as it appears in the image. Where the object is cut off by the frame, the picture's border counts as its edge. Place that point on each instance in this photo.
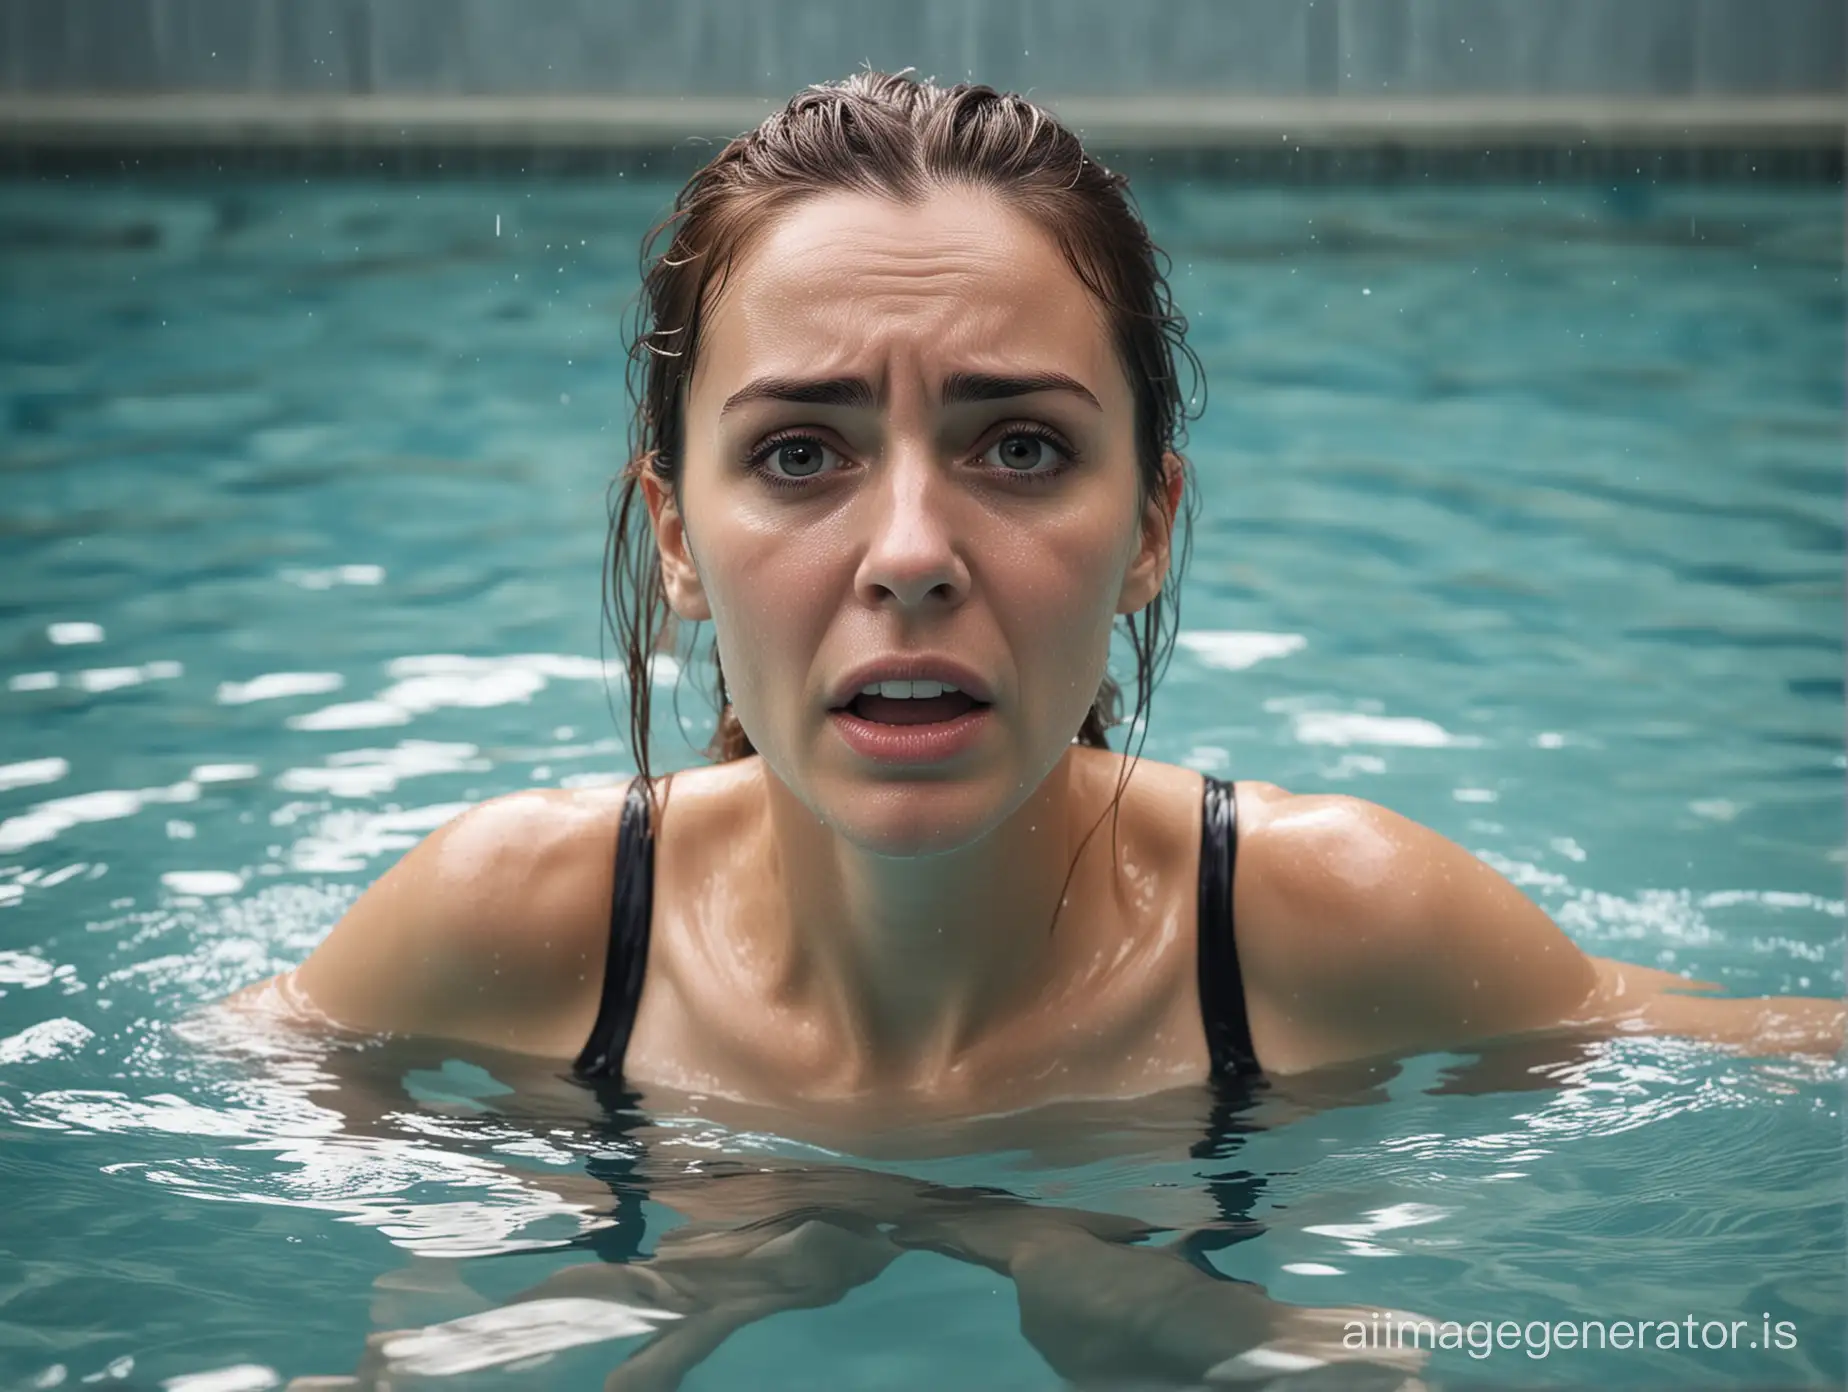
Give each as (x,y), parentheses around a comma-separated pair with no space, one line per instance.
(909,447)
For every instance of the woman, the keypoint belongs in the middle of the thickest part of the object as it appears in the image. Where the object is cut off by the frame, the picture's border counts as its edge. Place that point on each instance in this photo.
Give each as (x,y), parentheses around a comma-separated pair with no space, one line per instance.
(907,437)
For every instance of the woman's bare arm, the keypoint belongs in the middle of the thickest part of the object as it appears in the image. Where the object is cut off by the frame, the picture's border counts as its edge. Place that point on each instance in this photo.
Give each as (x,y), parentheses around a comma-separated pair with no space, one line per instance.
(1362,934)
(1642,1000)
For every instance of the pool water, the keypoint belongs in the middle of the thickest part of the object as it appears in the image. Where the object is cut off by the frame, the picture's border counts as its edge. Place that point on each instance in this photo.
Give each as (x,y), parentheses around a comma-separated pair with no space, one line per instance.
(1522,513)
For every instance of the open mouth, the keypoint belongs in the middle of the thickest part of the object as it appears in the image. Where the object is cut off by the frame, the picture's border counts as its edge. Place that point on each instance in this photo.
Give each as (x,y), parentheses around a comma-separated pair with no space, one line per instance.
(915,721)
(911,703)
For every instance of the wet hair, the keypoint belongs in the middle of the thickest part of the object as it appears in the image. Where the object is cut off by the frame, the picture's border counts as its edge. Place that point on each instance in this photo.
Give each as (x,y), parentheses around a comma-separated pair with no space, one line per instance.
(891,136)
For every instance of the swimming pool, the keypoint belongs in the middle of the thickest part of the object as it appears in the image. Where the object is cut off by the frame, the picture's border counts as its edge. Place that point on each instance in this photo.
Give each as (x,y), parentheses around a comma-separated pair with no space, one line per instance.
(1522,513)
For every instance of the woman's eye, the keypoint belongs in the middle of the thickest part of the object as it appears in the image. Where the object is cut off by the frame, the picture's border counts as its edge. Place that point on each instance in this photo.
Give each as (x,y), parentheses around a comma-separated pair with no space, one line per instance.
(1024,454)
(797,459)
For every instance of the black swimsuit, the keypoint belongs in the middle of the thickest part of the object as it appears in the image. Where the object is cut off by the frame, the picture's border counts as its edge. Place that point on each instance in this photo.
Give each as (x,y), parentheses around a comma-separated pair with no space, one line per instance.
(1222,988)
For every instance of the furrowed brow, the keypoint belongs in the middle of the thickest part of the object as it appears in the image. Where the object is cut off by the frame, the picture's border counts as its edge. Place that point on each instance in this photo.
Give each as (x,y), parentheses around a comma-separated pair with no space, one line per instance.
(962,387)
(828,391)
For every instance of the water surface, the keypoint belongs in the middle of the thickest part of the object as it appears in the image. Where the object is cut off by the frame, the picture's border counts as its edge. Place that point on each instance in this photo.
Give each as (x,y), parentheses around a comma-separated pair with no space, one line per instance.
(1521,513)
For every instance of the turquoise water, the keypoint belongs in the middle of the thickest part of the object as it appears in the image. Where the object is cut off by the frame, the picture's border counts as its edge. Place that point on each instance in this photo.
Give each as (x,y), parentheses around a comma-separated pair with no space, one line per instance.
(1522,513)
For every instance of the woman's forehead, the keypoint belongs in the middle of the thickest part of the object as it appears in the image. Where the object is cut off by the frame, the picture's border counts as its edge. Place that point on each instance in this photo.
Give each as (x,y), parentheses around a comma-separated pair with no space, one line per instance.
(856,285)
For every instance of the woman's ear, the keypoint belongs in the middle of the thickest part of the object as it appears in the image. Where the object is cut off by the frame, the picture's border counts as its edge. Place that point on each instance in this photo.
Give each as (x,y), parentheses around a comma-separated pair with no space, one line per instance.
(1148,569)
(686,596)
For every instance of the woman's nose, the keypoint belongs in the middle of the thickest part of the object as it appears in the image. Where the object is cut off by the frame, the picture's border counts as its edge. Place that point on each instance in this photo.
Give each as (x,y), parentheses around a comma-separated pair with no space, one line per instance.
(912,558)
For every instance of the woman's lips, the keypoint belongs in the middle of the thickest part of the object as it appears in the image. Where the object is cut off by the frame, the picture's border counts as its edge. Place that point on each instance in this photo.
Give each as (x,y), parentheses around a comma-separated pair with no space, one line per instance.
(917,731)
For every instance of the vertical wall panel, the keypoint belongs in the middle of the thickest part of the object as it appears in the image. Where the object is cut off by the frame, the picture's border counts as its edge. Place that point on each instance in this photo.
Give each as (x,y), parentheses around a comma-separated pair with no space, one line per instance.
(1375,47)
(770,47)
(324,46)
(48,59)
(1792,46)
(112,45)
(207,45)
(418,46)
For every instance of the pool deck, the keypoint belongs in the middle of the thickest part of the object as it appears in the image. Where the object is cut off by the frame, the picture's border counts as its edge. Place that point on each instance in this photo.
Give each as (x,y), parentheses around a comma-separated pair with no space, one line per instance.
(1181,122)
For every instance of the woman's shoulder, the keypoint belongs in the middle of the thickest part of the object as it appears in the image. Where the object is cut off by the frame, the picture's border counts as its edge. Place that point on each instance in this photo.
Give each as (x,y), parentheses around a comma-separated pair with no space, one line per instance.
(1363,933)
(1325,885)
(494,928)
(535,822)
(1167,798)
(534,855)
(1323,877)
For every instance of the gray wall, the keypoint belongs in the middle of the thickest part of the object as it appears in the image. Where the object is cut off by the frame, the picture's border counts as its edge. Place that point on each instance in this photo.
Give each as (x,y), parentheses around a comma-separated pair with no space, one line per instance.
(770,47)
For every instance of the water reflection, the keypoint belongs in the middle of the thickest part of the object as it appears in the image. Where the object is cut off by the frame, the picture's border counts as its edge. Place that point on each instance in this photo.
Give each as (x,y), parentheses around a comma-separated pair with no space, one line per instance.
(531,1222)
(677,1221)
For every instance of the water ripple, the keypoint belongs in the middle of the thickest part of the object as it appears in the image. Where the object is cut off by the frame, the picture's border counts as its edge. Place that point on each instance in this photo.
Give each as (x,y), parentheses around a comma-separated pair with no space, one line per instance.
(1520,512)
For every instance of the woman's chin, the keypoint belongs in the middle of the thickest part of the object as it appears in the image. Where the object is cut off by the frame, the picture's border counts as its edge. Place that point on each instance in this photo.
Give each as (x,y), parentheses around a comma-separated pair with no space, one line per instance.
(910,819)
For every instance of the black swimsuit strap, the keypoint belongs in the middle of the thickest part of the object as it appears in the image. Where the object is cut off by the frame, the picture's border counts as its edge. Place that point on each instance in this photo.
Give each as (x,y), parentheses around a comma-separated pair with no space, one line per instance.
(631,908)
(1222,984)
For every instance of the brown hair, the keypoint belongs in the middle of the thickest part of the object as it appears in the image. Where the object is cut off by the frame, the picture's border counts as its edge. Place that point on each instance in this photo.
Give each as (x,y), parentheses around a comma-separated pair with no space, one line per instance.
(899,138)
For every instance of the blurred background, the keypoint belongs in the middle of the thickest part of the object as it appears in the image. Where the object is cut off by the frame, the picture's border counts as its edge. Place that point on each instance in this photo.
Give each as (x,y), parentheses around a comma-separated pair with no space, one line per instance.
(1520,461)
(399,78)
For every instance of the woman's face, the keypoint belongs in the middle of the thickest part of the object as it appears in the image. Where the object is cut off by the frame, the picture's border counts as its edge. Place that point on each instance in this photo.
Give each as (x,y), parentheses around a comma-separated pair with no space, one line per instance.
(909,464)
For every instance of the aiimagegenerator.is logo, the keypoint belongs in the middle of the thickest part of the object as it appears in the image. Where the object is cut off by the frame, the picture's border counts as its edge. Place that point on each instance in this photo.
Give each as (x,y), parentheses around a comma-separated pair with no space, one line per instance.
(1386,1331)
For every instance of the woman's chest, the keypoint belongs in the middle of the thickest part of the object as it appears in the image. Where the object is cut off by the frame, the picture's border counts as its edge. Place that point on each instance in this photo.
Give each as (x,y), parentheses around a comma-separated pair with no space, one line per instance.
(1116,1013)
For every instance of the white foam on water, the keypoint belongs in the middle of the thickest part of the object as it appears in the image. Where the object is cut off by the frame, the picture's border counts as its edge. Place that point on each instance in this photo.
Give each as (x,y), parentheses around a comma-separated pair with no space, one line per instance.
(202,882)
(1354,727)
(30,771)
(515,1332)
(275,685)
(45,1040)
(240,1377)
(1233,650)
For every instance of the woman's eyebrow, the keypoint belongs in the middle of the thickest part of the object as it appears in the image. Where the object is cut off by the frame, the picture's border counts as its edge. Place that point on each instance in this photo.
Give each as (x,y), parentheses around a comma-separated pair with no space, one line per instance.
(959,388)
(827,391)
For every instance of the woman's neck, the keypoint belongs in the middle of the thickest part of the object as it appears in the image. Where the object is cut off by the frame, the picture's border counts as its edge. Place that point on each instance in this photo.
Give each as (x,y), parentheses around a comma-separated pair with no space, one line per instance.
(909,962)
